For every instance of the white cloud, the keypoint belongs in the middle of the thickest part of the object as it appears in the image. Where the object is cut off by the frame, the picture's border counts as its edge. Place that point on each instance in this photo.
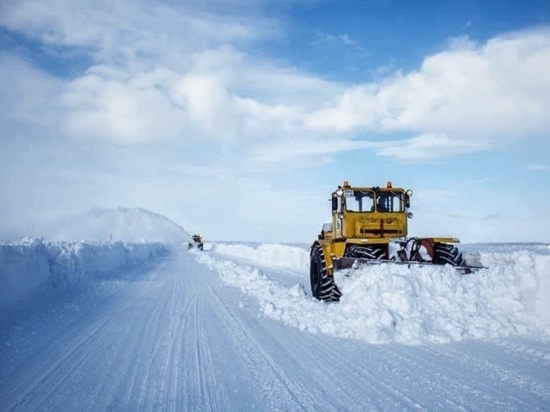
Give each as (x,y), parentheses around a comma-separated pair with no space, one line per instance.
(108,104)
(133,28)
(306,152)
(471,92)
(222,96)
(430,146)
(162,71)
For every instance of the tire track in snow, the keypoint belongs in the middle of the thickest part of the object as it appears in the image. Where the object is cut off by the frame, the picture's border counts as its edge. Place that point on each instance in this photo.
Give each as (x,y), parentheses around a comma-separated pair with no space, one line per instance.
(161,385)
(431,377)
(204,377)
(150,385)
(102,331)
(283,391)
(386,396)
(456,376)
(173,364)
(541,355)
(478,370)
(185,375)
(136,385)
(37,386)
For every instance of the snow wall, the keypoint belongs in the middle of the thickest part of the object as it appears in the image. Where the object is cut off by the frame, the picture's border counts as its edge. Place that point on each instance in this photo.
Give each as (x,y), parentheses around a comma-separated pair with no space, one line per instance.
(32,263)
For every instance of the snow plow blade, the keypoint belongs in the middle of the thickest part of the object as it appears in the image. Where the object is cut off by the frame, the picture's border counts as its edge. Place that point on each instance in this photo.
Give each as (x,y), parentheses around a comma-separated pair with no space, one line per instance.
(352,263)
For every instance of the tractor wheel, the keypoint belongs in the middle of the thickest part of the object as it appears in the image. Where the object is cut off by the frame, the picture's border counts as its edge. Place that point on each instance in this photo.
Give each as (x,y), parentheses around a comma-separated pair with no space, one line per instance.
(323,286)
(365,252)
(448,254)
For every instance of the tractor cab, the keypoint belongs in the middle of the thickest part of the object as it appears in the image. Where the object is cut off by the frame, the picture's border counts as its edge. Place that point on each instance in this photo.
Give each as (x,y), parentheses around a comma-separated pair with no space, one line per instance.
(366,212)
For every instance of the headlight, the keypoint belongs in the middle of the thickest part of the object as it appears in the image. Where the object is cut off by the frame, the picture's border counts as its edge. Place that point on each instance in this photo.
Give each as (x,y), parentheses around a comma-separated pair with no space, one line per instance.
(409,192)
(339,193)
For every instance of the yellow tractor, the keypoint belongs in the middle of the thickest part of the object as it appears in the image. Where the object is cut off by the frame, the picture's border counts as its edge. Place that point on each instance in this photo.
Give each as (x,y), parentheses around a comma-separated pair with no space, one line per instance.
(369,226)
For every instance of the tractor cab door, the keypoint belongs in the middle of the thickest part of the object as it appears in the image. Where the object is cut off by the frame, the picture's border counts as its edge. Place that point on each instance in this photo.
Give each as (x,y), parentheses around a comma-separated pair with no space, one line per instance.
(337,216)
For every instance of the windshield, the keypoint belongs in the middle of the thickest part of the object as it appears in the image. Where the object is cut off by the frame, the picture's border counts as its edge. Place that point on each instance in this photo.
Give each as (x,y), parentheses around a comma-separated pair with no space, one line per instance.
(365,201)
(389,202)
(359,201)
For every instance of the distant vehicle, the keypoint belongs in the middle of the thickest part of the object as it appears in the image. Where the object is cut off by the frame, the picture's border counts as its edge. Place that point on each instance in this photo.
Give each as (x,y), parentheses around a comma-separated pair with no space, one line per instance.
(197,242)
(369,226)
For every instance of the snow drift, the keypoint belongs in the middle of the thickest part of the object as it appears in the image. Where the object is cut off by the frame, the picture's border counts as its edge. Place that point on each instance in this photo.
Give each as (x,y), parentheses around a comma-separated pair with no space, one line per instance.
(27,265)
(124,224)
(391,303)
(113,238)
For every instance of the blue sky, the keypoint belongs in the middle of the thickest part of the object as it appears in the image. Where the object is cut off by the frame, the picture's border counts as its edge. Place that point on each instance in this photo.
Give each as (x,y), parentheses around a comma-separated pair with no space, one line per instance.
(237,119)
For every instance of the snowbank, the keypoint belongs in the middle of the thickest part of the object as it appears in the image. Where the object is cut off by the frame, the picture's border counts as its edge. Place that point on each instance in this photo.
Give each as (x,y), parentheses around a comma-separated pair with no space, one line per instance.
(391,303)
(268,254)
(28,264)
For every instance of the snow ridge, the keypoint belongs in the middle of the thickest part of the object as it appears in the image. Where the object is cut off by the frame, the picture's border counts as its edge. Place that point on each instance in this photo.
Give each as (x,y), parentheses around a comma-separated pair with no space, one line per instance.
(31,263)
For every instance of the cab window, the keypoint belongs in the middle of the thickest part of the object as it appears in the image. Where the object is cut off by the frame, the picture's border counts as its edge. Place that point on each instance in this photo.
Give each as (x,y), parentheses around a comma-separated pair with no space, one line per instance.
(360,201)
(389,202)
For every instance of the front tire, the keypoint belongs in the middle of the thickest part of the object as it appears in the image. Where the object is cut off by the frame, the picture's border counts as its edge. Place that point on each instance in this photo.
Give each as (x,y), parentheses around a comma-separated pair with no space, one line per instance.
(323,286)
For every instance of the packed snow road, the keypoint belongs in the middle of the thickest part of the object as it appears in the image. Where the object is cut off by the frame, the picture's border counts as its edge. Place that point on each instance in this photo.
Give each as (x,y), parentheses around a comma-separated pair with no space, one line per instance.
(184,335)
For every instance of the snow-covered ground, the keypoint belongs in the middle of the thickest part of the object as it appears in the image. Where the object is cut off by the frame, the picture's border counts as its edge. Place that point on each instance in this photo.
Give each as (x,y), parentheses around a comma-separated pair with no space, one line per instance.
(100,325)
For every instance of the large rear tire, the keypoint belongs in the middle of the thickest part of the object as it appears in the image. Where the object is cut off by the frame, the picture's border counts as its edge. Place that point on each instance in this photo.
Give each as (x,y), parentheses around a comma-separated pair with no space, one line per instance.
(323,286)
(448,254)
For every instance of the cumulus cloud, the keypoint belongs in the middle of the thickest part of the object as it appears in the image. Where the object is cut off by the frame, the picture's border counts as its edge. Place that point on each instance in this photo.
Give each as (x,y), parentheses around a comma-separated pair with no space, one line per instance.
(165,71)
(464,98)
(106,103)
(222,96)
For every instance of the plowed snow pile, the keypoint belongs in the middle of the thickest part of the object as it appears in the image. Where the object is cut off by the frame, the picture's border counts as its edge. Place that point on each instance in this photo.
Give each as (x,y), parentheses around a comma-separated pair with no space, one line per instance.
(31,264)
(113,238)
(391,303)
